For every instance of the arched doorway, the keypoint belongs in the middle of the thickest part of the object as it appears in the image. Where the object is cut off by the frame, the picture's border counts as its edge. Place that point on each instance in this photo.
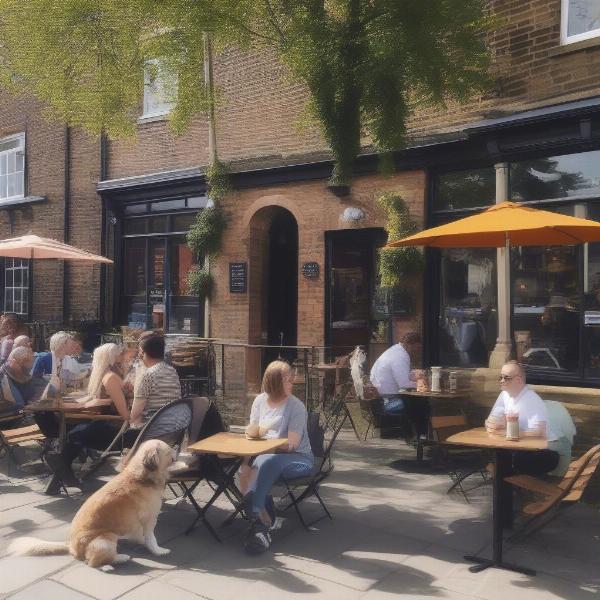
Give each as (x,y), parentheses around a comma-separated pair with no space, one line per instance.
(273,286)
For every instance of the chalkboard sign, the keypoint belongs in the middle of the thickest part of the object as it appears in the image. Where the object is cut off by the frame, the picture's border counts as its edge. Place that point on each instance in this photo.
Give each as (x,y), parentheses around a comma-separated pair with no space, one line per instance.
(156,293)
(238,277)
(310,270)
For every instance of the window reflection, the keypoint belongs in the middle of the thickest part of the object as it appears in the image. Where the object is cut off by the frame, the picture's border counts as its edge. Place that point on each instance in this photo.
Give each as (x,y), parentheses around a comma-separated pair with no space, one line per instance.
(556,177)
(465,189)
(546,306)
(468,320)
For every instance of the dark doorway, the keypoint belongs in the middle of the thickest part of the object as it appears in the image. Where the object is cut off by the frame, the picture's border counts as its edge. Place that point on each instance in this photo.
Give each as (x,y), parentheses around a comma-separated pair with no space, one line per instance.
(282,295)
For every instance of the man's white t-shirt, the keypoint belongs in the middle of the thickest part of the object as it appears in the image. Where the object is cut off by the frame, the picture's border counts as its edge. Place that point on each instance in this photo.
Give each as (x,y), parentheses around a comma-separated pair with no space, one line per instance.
(391,371)
(530,408)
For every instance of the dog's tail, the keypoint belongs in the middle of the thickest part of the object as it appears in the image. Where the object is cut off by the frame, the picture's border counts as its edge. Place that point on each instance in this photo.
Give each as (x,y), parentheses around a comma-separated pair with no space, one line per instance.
(29,546)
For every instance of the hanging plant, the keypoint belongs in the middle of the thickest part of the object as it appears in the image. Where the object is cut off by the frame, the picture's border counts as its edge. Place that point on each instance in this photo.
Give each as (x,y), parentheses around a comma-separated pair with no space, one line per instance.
(218,180)
(396,264)
(199,282)
(204,236)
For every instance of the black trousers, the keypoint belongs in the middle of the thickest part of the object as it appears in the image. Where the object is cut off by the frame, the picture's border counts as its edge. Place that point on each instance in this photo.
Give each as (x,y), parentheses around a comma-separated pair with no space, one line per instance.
(538,462)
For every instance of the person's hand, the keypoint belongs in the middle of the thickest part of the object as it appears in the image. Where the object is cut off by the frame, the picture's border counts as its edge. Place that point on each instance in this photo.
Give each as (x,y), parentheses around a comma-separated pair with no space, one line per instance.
(416,374)
(493,424)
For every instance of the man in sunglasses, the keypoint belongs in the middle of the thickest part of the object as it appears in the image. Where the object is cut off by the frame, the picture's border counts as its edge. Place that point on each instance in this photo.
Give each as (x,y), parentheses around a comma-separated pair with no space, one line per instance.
(517,398)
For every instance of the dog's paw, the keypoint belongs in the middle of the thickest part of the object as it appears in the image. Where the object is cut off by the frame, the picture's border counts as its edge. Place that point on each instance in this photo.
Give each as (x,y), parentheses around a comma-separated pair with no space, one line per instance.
(158,551)
(107,568)
(121,558)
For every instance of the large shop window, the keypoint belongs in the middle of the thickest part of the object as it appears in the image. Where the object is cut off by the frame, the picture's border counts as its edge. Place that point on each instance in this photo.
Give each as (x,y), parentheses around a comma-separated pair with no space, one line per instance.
(12,167)
(467,318)
(156,262)
(580,20)
(555,291)
(16,286)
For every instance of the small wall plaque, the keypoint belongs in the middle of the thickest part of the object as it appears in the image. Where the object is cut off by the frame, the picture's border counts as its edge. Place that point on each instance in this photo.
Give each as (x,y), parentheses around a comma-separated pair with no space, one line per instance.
(310,270)
(238,278)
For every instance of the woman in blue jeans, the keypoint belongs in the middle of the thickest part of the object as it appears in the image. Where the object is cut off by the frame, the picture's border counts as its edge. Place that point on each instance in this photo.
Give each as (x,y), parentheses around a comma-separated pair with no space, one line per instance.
(275,413)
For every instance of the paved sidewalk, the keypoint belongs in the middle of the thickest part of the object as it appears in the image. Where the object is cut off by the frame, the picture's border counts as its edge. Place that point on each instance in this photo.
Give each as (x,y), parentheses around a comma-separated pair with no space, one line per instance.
(395,534)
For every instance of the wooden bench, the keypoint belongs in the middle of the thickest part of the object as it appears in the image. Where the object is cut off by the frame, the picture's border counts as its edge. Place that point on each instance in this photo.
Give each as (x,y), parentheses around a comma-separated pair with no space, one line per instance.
(555,496)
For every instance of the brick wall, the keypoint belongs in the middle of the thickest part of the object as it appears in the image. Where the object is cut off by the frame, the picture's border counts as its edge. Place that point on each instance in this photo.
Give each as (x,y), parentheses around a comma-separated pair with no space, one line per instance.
(261,109)
(241,317)
(45,169)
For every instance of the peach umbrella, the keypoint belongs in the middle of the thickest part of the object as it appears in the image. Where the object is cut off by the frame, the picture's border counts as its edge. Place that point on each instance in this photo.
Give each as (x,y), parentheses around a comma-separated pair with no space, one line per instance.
(507,224)
(33,246)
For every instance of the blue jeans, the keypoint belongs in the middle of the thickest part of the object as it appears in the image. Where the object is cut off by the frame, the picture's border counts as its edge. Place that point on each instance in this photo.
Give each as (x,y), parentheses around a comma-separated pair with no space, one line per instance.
(270,468)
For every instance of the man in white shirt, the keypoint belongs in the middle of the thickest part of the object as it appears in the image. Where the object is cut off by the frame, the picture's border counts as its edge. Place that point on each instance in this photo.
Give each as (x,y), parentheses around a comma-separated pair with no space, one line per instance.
(517,398)
(391,373)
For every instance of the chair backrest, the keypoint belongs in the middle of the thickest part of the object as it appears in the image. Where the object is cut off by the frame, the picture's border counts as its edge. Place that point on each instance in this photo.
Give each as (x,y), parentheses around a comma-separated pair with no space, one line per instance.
(206,420)
(358,359)
(168,424)
(579,474)
(331,423)
(199,406)
(443,427)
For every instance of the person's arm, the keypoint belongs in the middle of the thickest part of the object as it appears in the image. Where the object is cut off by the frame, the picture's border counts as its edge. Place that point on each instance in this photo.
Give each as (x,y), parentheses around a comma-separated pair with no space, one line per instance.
(537,422)
(401,371)
(141,395)
(497,417)
(296,427)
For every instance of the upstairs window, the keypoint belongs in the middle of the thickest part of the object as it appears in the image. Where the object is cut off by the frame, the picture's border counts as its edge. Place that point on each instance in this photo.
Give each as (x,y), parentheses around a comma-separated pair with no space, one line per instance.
(160,89)
(580,20)
(16,286)
(12,167)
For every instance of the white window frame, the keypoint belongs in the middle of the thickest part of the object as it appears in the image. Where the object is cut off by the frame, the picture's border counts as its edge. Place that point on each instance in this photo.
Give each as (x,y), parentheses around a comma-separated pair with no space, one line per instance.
(11,265)
(5,156)
(564,28)
(153,89)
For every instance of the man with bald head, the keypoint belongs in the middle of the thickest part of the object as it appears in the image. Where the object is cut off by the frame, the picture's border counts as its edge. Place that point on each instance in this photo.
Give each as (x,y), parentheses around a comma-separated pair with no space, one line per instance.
(517,398)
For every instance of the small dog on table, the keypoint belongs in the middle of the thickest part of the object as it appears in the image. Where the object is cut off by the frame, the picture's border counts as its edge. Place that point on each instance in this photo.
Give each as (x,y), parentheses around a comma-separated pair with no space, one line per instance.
(127,507)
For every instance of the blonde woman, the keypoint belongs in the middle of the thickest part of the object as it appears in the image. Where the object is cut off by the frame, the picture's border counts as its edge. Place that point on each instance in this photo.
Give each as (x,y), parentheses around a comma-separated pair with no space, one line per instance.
(275,413)
(105,388)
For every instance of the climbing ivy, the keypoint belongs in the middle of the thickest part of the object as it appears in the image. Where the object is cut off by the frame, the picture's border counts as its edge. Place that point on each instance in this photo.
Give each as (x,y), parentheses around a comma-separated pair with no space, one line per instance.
(396,264)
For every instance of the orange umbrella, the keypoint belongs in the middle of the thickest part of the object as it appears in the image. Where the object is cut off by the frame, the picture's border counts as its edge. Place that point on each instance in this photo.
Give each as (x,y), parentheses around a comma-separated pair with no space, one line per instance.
(33,246)
(506,224)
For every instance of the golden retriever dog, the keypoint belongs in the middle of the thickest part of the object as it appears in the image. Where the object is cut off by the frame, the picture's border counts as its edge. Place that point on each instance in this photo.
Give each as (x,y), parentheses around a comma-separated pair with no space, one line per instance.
(127,507)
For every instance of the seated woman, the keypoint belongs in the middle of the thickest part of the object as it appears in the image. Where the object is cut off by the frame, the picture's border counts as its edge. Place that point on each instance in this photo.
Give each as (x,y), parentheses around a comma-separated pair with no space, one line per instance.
(11,327)
(105,388)
(279,415)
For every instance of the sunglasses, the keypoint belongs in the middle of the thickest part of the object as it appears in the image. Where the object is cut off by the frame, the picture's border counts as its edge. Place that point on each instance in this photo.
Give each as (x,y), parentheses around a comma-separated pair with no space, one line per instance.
(506,377)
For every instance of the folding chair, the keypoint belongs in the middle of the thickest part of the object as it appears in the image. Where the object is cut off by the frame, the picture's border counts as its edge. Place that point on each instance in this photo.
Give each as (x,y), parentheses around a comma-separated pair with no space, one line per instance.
(190,479)
(169,424)
(460,463)
(323,431)
(10,438)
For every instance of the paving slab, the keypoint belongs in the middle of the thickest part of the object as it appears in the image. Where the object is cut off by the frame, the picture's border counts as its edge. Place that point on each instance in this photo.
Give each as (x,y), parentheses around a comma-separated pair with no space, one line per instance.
(17,572)
(48,590)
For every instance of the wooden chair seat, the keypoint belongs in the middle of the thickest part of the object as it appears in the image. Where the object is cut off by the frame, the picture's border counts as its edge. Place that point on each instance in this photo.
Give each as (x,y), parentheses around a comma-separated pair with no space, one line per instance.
(9,438)
(566,492)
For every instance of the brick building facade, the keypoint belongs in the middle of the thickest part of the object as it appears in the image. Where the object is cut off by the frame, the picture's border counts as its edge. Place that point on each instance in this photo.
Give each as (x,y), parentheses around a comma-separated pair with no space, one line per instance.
(545,103)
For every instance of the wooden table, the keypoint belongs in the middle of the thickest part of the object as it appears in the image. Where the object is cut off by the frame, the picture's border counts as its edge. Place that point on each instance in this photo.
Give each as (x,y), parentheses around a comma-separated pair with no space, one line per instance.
(502,498)
(236,446)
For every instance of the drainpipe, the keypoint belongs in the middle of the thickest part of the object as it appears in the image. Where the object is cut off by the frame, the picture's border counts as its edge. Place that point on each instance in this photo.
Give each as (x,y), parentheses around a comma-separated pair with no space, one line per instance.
(103,227)
(212,150)
(66,220)
(502,350)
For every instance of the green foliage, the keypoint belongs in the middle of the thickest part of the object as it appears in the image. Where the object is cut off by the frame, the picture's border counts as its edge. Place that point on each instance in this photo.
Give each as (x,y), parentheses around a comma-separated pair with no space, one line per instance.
(218,179)
(204,236)
(366,63)
(396,264)
(199,282)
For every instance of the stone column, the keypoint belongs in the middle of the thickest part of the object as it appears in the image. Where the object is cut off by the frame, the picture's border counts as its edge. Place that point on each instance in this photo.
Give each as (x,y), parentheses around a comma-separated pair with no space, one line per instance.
(503,348)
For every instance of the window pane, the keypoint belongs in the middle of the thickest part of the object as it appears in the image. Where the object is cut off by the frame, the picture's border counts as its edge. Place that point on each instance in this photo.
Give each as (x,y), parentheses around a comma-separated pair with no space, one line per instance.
(468,319)
(10,185)
(156,277)
(182,260)
(556,177)
(197,202)
(134,226)
(546,306)
(134,261)
(11,162)
(160,89)
(167,205)
(584,15)
(3,162)
(157,224)
(465,189)
(20,166)
(135,209)
(183,222)
(19,184)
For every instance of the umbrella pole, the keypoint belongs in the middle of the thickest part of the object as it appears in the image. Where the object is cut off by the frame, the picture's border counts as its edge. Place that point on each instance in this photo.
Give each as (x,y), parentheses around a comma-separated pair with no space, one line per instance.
(502,350)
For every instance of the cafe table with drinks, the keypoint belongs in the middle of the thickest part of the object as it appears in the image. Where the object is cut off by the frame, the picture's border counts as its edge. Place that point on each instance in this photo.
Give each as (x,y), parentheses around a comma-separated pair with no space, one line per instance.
(503,439)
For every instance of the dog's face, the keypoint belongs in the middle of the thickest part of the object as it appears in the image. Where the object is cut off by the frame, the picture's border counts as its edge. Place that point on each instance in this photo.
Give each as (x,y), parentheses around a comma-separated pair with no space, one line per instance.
(153,458)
